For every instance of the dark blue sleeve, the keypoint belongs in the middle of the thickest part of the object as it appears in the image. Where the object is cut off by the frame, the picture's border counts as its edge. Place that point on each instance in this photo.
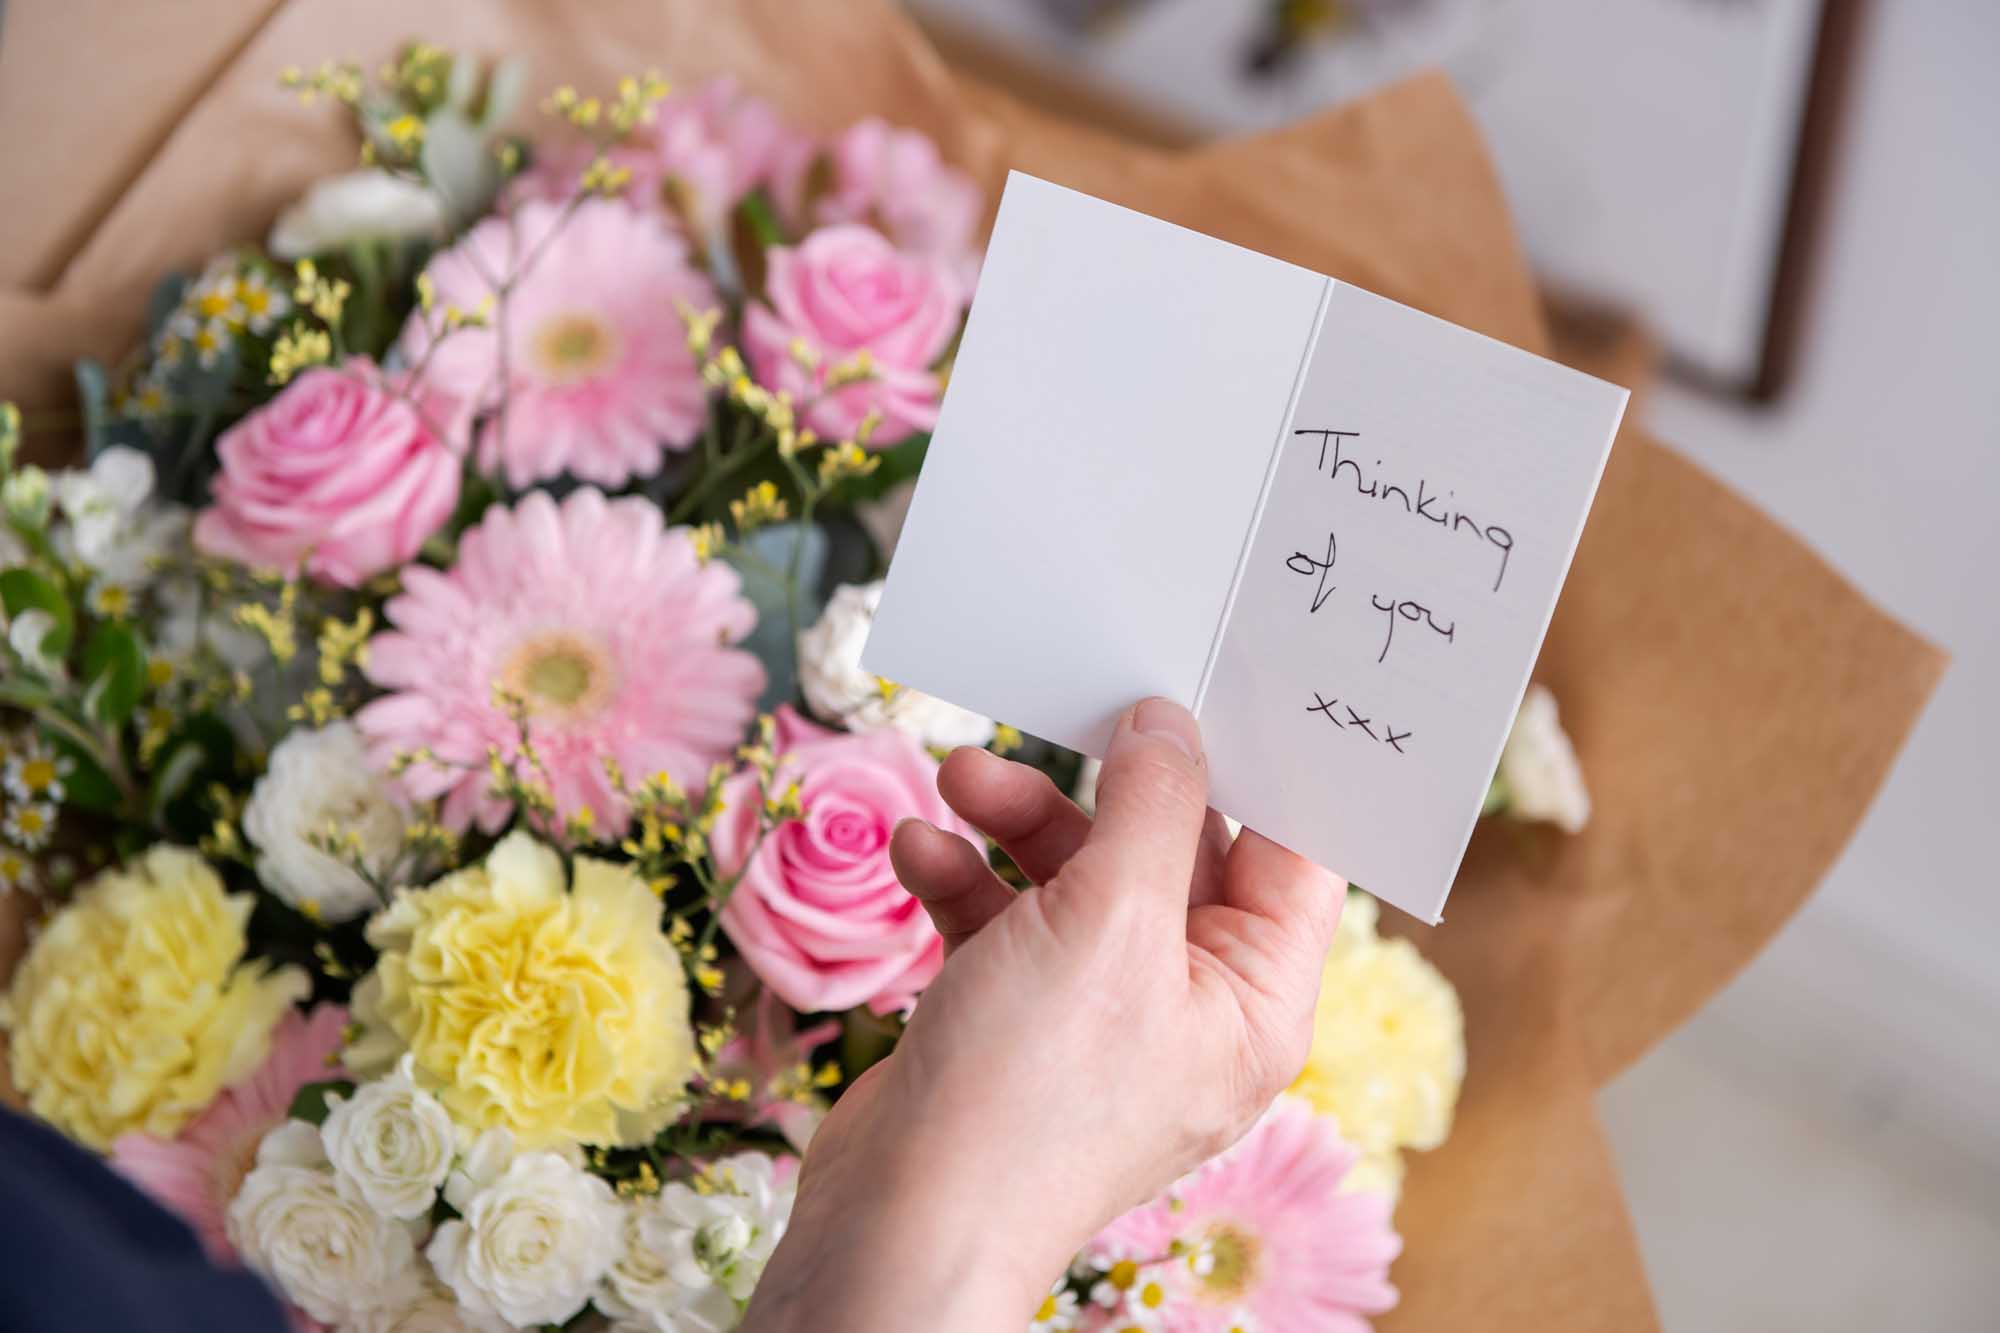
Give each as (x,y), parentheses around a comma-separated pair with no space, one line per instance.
(82,1249)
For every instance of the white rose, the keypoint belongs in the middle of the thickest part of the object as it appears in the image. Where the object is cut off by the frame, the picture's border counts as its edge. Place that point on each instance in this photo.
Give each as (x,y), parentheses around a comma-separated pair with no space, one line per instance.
(839,691)
(723,1236)
(1539,772)
(434,1311)
(534,1238)
(309,1231)
(320,779)
(393,1140)
(358,206)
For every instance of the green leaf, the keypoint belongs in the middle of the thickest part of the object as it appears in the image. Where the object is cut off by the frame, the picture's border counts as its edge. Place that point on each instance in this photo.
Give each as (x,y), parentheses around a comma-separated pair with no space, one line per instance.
(23,589)
(310,1104)
(174,776)
(88,787)
(114,669)
(200,751)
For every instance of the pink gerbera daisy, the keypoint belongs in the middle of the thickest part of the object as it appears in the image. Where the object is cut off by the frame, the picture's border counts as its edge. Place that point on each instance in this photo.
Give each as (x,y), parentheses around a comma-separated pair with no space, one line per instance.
(197,1173)
(587,369)
(1259,1238)
(602,621)
(694,161)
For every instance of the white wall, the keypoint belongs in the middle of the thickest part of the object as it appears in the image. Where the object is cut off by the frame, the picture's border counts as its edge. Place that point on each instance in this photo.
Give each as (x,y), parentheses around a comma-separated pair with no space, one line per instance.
(1821,1147)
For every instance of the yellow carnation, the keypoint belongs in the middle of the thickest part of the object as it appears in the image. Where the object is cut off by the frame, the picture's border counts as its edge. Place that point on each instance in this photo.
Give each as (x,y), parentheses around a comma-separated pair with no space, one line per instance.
(559,1015)
(135,1007)
(1388,1049)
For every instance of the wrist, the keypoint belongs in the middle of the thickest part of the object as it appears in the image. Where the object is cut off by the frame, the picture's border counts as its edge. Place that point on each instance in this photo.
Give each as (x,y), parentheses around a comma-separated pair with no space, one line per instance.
(888,1236)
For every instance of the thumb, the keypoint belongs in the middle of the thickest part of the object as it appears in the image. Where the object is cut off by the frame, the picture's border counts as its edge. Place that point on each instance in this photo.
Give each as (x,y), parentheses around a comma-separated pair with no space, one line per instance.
(1152,796)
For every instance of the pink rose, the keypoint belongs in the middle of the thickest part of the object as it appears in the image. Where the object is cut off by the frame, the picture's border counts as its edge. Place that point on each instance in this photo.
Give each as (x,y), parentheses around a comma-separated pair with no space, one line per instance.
(338,471)
(818,913)
(895,179)
(843,290)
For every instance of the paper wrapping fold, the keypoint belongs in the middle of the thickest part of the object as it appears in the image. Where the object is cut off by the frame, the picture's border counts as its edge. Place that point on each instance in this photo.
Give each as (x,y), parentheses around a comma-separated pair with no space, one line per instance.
(1736,704)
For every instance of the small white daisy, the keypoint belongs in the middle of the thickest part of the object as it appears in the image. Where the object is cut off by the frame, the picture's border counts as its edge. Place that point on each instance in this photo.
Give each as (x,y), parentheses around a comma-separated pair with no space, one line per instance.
(262,304)
(1057,1313)
(35,772)
(16,871)
(210,341)
(31,824)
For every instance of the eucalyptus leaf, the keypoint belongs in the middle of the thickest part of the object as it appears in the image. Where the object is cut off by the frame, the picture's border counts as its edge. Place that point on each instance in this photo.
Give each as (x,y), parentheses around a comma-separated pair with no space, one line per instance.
(504,90)
(458,165)
(463,84)
(770,553)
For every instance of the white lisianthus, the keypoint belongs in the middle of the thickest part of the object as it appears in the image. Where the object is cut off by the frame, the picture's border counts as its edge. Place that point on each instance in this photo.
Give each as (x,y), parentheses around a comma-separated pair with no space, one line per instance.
(723,1235)
(435,1311)
(536,1233)
(839,691)
(361,205)
(394,1140)
(114,528)
(653,1290)
(1540,777)
(319,781)
(310,1231)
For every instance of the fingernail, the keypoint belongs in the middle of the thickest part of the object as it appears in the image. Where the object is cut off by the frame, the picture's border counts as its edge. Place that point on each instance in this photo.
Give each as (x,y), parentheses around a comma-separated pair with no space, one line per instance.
(1170,722)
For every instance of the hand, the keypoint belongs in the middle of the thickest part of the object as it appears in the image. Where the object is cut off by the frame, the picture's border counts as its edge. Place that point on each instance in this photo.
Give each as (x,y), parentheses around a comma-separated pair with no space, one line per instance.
(1088,1040)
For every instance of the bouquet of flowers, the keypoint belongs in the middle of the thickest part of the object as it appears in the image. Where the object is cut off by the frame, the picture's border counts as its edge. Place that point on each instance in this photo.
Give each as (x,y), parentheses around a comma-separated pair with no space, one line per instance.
(435,736)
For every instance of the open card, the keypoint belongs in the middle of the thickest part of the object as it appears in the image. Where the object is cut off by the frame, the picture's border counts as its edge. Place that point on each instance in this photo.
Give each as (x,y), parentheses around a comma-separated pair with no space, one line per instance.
(1331,526)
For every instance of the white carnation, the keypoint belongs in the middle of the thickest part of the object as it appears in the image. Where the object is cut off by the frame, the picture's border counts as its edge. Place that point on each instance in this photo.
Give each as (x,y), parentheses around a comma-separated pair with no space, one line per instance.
(536,1233)
(393,1140)
(357,206)
(838,690)
(310,1231)
(320,780)
(722,1236)
(1539,772)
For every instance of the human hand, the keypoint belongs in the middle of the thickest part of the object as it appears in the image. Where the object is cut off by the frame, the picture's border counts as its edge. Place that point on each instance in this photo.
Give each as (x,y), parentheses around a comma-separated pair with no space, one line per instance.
(1088,1040)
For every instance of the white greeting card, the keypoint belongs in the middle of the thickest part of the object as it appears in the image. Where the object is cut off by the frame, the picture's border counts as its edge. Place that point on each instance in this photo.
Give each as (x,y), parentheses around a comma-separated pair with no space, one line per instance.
(1330,525)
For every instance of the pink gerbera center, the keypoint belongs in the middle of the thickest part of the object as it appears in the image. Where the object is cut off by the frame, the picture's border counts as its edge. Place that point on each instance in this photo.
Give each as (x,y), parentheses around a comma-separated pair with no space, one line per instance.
(560,673)
(575,345)
(1230,1271)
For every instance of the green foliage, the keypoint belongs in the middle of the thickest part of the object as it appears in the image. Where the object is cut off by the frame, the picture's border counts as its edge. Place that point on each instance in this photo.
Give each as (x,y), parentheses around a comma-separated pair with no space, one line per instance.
(310,1104)
(24,589)
(114,672)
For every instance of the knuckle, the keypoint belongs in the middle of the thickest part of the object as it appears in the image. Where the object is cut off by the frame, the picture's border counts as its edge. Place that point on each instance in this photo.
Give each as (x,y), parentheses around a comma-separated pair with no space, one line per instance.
(1160,779)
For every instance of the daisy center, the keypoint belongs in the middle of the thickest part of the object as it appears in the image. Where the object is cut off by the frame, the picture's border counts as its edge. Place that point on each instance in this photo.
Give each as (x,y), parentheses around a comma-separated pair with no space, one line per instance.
(575,346)
(559,672)
(1233,1269)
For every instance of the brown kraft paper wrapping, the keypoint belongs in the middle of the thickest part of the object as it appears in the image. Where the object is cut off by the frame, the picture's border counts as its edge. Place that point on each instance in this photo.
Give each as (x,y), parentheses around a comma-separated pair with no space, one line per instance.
(1735,703)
